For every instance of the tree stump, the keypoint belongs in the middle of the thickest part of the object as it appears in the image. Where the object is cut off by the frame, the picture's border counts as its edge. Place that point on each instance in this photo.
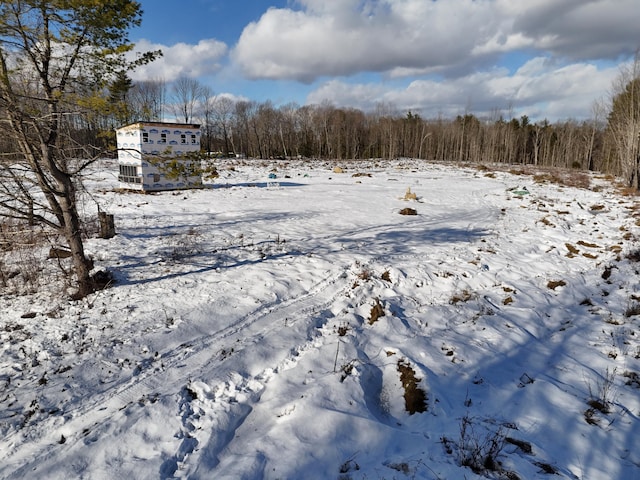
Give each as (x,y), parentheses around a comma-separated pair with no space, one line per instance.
(107,225)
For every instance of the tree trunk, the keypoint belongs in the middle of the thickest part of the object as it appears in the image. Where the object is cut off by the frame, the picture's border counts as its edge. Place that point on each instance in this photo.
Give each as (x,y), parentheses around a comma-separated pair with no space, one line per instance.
(73,235)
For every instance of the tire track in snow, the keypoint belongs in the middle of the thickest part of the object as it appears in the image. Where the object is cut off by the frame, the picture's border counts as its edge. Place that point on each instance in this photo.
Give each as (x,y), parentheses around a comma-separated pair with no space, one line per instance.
(180,363)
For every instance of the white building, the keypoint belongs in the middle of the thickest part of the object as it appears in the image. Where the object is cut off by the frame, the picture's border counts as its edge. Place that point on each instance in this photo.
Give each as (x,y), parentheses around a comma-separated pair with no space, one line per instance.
(154,156)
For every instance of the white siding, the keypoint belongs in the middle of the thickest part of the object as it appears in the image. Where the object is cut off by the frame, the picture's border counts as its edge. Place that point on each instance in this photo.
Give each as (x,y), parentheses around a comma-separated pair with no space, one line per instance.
(139,143)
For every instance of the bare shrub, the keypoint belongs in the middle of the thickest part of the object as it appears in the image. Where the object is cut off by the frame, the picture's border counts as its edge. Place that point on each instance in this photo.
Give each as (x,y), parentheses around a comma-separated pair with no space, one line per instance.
(632,310)
(479,450)
(22,271)
(633,379)
(185,245)
(90,227)
(14,235)
(600,397)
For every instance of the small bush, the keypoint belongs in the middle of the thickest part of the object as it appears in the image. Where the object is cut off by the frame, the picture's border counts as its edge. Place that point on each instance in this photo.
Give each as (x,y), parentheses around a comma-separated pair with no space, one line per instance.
(632,310)
(601,398)
(479,451)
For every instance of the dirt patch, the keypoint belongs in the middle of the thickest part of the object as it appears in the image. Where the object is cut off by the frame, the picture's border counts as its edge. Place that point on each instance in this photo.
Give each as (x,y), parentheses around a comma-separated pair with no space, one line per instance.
(415,399)
(408,211)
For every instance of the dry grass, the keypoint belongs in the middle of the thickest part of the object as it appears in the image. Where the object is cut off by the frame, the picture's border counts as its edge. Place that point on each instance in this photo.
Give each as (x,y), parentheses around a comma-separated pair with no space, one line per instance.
(377,311)
(547,222)
(573,251)
(587,244)
(553,284)
(463,296)
(567,178)
(409,195)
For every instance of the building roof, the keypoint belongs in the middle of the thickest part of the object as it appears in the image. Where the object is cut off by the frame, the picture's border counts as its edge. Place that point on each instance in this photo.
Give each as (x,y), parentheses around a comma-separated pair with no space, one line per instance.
(137,125)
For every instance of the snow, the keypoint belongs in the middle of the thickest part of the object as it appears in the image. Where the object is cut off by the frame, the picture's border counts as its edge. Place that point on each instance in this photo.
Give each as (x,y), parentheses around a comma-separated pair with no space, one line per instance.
(237,341)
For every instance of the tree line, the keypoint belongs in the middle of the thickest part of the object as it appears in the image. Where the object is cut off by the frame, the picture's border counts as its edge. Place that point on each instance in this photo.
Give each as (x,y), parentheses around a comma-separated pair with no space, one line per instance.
(608,142)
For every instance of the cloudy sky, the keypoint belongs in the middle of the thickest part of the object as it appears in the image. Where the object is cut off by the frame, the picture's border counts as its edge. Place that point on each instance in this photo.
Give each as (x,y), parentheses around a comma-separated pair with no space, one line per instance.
(544,58)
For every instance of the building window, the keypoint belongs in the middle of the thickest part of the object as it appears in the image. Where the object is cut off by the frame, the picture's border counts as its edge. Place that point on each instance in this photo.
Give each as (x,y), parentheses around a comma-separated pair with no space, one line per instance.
(183,138)
(193,139)
(129,174)
(145,137)
(163,138)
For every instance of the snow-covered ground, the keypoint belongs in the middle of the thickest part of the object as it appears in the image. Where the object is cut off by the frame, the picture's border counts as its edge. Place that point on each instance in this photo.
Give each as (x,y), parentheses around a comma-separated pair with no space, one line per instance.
(269,329)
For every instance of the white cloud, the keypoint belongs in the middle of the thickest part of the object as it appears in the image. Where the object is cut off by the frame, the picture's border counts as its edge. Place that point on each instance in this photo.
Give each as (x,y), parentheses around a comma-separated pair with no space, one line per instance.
(407,36)
(181,59)
(566,91)
(332,39)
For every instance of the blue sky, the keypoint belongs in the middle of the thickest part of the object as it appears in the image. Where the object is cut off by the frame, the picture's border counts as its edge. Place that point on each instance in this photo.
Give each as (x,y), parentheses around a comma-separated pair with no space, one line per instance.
(544,58)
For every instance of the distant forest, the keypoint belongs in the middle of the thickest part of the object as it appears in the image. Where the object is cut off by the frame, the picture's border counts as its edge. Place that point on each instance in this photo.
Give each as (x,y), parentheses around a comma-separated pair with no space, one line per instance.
(609,144)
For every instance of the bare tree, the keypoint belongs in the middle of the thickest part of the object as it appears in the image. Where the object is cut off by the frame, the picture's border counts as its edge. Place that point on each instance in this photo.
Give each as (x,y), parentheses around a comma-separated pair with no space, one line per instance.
(623,126)
(147,100)
(223,108)
(55,57)
(187,94)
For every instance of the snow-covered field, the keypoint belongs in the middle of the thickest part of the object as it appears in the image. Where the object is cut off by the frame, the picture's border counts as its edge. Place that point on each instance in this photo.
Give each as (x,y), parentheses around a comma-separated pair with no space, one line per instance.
(281,328)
